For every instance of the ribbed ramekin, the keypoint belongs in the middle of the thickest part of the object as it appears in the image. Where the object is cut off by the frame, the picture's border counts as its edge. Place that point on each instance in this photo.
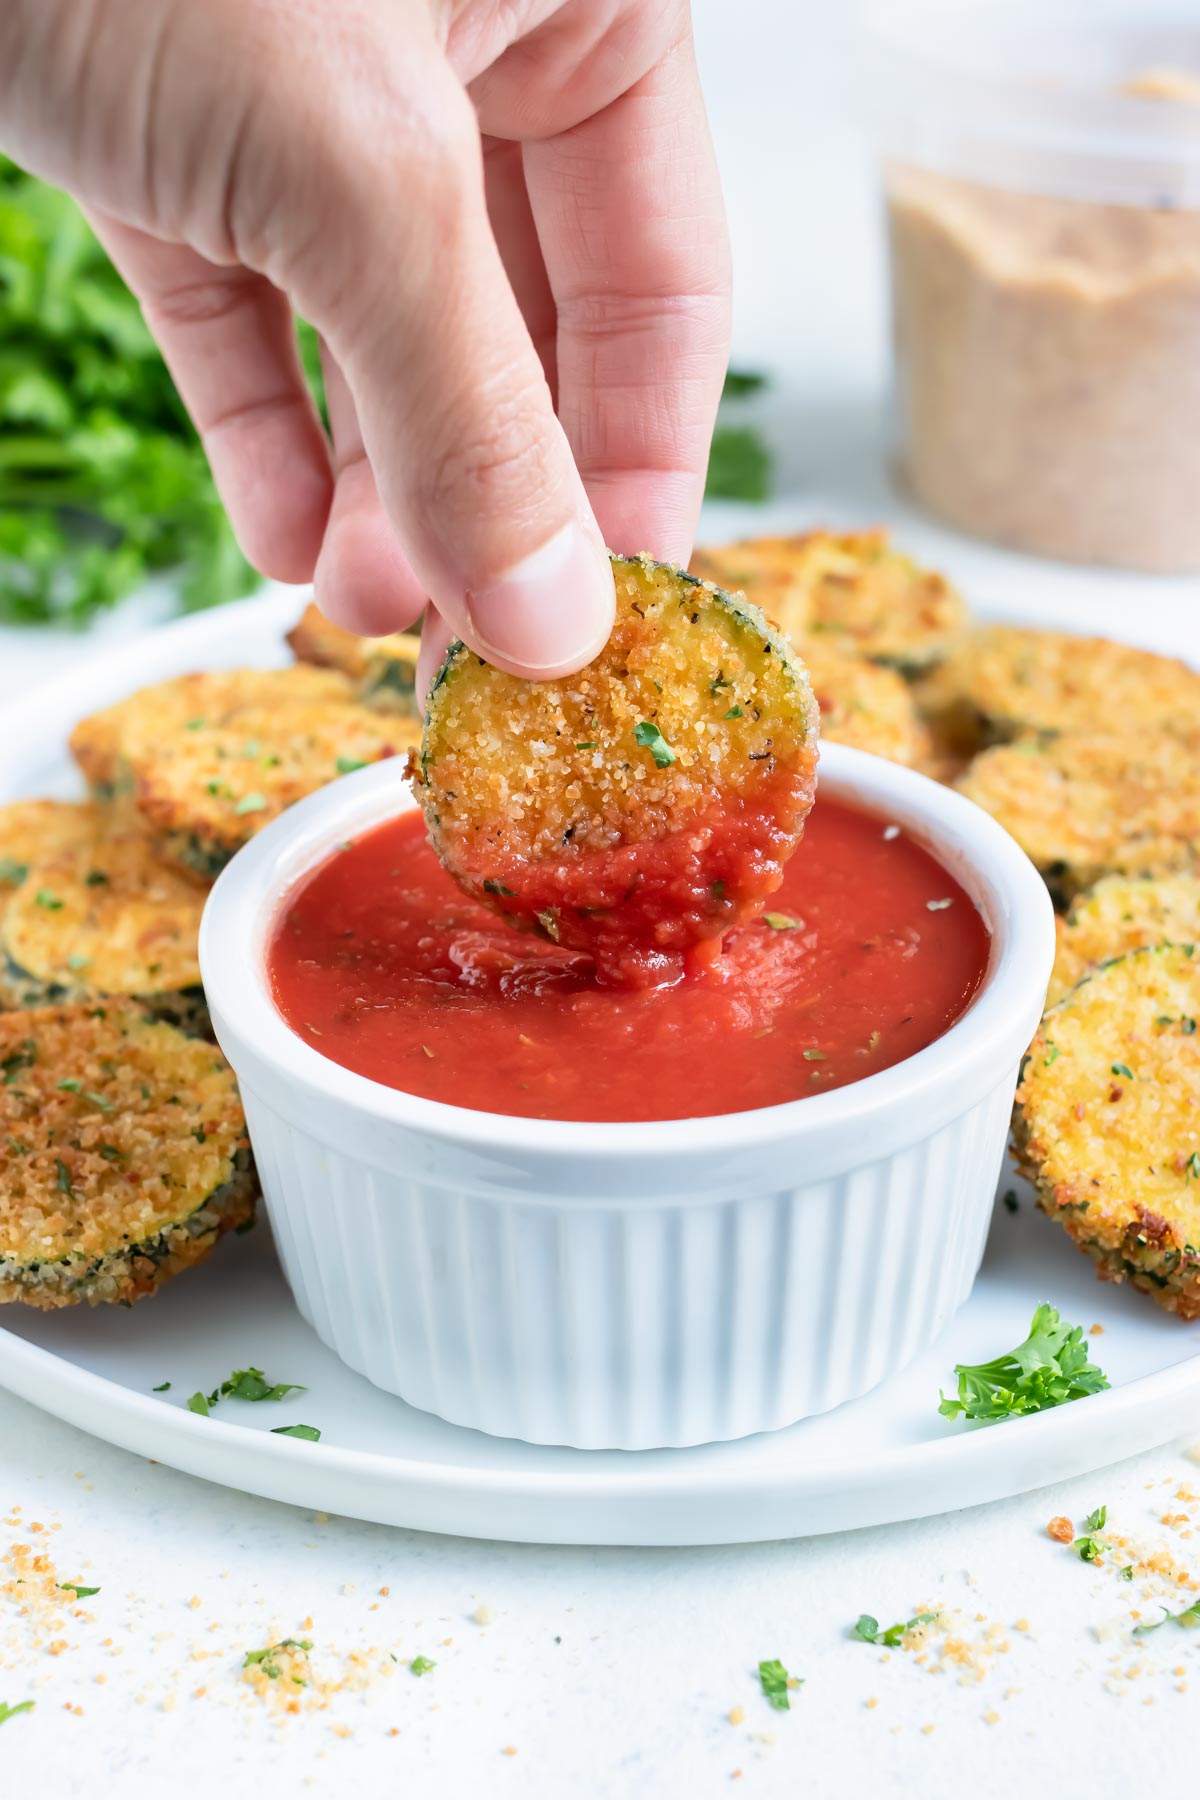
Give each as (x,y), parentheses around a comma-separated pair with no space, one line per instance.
(632,1286)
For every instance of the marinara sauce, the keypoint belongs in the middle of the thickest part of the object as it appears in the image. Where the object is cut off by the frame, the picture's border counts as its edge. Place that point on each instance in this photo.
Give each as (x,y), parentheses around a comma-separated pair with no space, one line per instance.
(869,952)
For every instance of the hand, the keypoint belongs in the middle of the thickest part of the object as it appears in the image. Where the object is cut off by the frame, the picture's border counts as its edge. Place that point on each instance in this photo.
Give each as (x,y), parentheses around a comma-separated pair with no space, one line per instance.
(489,211)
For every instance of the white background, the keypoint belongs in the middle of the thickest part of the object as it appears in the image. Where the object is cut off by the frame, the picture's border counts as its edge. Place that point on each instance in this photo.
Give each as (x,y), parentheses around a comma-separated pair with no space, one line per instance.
(656,1646)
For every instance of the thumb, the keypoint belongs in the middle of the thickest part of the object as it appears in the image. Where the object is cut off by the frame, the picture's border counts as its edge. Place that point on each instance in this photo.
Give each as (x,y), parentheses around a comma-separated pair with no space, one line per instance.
(473,468)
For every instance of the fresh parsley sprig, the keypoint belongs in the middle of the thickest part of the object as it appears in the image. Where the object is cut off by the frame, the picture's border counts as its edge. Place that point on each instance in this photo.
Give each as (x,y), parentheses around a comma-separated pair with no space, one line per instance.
(1051,1367)
(775,1683)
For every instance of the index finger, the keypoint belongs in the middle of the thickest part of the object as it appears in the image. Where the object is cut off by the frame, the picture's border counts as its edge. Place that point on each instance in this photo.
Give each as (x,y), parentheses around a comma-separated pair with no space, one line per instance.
(632,226)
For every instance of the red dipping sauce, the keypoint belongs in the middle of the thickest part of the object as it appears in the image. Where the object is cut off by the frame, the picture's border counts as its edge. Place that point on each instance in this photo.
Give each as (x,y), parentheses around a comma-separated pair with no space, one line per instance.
(871,950)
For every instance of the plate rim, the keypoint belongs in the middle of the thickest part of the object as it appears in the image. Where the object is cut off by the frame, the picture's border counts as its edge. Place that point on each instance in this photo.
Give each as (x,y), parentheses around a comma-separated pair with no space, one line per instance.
(926,1478)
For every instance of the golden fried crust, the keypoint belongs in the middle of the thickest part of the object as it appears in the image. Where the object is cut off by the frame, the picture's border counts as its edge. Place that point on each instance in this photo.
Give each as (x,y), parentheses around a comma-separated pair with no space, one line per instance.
(99,743)
(1085,807)
(1118,915)
(1106,1121)
(207,791)
(123,1154)
(105,918)
(851,586)
(33,829)
(533,766)
(1020,680)
(383,669)
(865,705)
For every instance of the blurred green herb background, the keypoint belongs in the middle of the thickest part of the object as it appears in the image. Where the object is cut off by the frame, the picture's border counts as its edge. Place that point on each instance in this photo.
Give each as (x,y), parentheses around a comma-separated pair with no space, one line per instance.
(103,483)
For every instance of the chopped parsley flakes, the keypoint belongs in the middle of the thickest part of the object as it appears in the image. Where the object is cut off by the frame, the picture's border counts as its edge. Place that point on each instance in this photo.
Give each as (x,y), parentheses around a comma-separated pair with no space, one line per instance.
(421,1665)
(1189,1618)
(308,1432)
(867,1629)
(250,803)
(781,922)
(1050,1368)
(775,1682)
(647,735)
(346,765)
(268,1659)
(80,1593)
(10,1712)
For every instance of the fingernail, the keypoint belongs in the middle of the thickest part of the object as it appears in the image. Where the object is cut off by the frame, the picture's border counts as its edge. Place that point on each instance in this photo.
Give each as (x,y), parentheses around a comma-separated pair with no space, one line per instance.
(552,612)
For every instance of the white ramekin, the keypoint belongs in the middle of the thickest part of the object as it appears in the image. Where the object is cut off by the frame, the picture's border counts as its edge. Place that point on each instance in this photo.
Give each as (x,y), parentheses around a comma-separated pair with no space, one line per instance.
(632,1286)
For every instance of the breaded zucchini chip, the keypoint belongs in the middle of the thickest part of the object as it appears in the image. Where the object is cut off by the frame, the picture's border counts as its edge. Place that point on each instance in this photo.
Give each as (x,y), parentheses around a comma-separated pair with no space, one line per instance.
(383,669)
(32,830)
(956,731)
(864,705)
(207,790)
(107,918)
(1085,807)
(1107,1124)
(1121,914)
(123,1154)
(99,744)
(851,585)
(642,806)
(1019,681)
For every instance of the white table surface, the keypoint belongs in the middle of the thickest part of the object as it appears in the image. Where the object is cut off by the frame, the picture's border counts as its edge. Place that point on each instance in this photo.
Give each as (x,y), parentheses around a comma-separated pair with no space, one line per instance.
(613,1672)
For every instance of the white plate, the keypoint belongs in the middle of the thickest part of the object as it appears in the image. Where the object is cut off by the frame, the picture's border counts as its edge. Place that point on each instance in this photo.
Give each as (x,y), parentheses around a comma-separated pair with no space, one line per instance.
(888,1456)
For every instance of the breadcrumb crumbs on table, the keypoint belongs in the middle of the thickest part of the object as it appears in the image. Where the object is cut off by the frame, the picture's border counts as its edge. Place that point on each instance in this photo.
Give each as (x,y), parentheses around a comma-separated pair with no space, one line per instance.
(737,1715)
(1061,1530)
(509,1750)
(871,1703)
(483,1615)
(991,1718)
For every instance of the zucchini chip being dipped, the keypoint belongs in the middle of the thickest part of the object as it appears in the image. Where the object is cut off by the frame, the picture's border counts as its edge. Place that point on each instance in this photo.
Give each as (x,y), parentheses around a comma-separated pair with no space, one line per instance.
(851,586)
(123,1154)
(1107,1124)
(1018,681)
(383,670)
(640,808)
(1118,915)
(107,918)
(1085,807)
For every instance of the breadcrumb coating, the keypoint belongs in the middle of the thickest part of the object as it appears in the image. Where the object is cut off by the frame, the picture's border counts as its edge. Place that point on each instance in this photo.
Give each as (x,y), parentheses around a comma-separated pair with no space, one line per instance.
(123,1154)
(99,743)
(865,705)
(1107,1122)
(1020,680)
(851,586)
(104,918)
(1085,807)
(207,791)
(1118,915)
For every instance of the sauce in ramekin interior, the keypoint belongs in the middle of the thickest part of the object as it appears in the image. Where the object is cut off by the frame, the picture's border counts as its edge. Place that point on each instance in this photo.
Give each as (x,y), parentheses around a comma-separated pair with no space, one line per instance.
(869,952)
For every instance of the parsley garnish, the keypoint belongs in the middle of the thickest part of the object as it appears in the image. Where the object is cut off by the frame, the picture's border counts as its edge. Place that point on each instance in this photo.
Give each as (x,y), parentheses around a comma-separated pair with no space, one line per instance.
(1189,1617)
(740,382)
(96,878)
(46,899)
(421,1665)
(16,1060)
(868,1630)
(12,874)
(781,922)
(251,1384)
(739,465)
(71,1085)
(1091,1546)
(267,1659)
(161,1388)
(1122,1069)
(1011,1203)
(649,737)
(80,1593)
(198,1404)
(1048,1369)
(346,765)
(308,1432)
(590,744)
(62,1176)
(10,1712)
(735,712)
(250,803)
(775,1681)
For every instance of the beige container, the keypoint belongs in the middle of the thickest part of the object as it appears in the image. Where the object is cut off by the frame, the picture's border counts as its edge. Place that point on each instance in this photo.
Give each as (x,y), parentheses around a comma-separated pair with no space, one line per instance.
(1042,181)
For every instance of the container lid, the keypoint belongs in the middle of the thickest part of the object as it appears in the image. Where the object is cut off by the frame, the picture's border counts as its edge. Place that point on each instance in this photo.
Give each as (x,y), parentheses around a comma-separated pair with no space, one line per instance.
(1095,100)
